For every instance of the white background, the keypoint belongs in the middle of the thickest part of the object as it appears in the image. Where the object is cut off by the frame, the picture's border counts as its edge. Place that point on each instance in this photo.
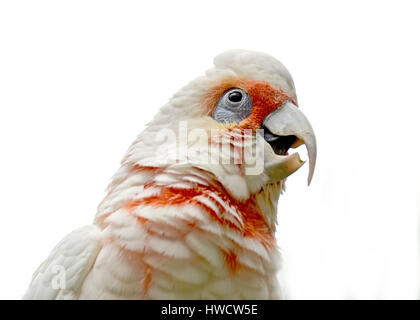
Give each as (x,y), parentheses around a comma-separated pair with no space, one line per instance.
(79,80)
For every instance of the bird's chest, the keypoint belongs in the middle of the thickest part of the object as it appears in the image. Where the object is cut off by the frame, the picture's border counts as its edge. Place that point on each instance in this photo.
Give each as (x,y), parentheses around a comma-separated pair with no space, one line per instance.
(172,259)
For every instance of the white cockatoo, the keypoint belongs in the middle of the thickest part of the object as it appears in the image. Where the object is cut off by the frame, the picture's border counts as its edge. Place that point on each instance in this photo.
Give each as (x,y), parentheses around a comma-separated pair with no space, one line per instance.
(191,213)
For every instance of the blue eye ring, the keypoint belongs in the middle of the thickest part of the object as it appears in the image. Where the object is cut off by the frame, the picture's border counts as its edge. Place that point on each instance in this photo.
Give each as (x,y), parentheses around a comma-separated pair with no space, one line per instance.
(233,106)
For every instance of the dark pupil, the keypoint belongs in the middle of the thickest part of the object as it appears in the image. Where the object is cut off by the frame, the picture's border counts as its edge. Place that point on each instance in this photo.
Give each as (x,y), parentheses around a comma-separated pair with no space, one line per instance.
(235,96)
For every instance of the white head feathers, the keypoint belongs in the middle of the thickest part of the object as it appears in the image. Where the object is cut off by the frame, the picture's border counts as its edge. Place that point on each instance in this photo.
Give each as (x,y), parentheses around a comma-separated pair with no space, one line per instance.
(257,66)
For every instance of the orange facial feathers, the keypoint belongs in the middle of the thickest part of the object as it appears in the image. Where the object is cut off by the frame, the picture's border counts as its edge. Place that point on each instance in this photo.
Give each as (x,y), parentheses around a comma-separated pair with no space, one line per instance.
(265,99)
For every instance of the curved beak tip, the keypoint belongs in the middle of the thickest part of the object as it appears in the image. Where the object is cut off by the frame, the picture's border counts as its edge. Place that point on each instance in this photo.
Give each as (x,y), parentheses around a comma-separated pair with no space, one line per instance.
(309,180)
(289,120)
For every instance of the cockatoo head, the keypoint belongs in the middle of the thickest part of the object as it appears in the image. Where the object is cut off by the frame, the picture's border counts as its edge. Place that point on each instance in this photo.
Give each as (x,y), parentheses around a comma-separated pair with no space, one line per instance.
(246,95)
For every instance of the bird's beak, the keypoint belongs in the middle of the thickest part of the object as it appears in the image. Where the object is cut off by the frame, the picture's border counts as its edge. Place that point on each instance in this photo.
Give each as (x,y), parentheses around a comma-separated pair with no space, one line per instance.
(287,127)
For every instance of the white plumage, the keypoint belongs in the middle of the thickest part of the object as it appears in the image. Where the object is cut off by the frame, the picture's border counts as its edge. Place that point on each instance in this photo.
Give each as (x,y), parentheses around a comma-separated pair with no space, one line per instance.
(185,229)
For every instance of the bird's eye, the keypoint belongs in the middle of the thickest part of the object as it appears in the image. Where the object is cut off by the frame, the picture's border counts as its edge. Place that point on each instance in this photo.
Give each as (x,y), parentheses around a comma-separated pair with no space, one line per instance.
(234,105)
(235,96)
